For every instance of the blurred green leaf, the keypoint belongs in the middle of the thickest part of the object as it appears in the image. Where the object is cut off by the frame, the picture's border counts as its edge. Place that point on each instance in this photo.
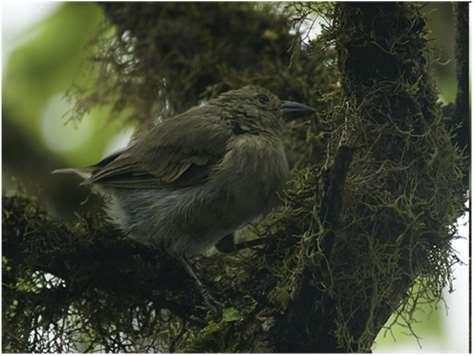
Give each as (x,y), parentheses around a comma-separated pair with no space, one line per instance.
(48,63)
(40,71)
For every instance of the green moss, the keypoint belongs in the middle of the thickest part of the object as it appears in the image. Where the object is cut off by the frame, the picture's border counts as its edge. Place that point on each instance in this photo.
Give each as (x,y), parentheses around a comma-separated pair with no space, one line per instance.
(220,336)
(392,222)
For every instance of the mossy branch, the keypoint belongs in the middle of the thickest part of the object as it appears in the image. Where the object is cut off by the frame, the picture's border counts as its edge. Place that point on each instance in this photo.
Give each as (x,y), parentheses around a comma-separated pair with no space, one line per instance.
(333,197)
(91,254)
(308,296)
(391,212)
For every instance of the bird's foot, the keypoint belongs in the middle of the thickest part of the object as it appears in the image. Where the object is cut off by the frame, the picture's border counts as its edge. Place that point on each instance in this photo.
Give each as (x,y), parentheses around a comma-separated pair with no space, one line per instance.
(214,305)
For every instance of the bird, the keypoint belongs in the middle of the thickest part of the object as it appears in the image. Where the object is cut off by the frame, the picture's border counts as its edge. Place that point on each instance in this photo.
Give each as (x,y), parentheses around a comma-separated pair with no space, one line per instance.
(192,180)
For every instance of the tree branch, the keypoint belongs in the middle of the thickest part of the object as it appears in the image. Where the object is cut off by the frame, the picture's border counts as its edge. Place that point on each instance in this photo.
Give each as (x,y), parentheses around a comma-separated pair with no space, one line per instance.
(92,254)
(333,196)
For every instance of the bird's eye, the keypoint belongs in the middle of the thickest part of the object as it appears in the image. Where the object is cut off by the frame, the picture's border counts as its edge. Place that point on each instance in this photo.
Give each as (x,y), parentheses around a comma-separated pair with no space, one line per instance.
(263,99)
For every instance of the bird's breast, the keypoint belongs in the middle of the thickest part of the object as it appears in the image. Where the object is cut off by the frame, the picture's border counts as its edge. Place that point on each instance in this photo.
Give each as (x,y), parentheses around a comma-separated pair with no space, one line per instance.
(191,219)
(252,171)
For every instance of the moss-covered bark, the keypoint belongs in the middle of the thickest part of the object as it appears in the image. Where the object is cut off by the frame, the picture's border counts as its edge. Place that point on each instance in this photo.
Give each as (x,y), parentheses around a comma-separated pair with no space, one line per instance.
(367,212)
(399,184)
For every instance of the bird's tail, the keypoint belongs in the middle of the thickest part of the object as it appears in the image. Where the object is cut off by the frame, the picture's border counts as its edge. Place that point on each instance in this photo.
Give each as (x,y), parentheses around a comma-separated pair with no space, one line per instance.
(81,172)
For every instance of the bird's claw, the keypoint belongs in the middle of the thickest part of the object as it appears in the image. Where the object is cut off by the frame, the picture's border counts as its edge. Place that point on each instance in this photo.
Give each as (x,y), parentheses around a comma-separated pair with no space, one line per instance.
(214,305)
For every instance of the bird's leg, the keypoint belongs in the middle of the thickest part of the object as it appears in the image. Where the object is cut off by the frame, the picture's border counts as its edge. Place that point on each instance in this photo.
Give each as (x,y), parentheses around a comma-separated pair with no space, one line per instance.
(215,305)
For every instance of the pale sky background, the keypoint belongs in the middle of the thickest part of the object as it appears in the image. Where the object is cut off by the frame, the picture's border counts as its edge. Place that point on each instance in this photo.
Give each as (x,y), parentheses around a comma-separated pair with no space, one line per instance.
(17,20)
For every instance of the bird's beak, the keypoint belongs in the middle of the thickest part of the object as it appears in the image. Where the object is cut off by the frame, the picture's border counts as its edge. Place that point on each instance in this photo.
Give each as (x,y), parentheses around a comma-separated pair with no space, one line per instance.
(292,110)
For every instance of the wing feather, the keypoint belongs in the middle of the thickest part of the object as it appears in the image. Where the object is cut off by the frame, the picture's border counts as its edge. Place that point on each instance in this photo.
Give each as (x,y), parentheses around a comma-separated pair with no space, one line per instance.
(177,152)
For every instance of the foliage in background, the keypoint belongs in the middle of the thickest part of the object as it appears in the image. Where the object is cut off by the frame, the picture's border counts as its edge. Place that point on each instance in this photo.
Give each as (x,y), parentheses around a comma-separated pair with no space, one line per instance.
(36,77)
(334,278)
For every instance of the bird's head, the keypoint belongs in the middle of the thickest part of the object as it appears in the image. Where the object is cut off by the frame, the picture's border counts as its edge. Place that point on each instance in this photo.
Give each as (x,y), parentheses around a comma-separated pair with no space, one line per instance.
(258,109)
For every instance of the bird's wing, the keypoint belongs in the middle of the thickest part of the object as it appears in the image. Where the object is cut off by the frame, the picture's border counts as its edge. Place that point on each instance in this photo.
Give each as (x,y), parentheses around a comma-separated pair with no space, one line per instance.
(178,152)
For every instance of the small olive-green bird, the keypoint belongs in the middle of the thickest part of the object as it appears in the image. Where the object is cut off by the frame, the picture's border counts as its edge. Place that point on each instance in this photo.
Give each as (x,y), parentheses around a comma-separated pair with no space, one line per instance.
(192,180)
